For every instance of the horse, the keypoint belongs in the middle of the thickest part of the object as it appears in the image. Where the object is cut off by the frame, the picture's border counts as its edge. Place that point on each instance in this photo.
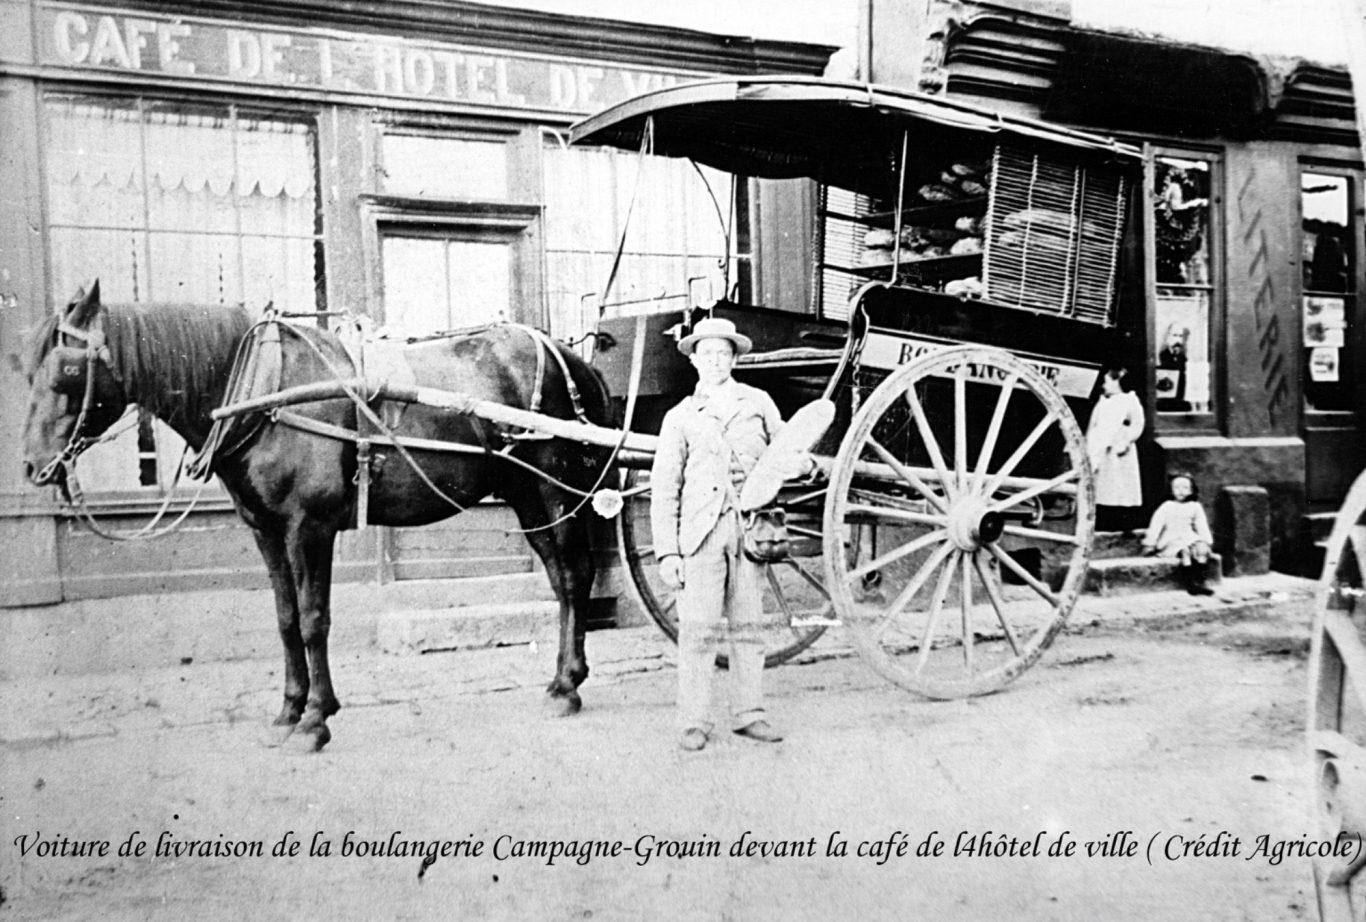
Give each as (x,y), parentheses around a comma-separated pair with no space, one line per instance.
(295,488)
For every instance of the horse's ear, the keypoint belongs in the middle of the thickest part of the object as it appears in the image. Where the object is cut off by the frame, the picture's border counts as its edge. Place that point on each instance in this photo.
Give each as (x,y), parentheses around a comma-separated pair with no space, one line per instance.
(84,305)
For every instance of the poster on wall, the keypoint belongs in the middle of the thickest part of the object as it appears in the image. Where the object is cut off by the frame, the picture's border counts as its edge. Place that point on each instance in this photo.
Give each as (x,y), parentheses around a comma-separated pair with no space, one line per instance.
(1323,364)
(1325,323)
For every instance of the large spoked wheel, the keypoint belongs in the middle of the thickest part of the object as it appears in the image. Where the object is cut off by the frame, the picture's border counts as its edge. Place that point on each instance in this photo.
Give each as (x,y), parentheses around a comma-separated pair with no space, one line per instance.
(793,589)
(959,522)
(1337,712)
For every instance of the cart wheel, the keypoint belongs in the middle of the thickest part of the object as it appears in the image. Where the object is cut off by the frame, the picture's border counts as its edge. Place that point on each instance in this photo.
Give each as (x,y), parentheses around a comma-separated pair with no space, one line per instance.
(793,589)
(1337,712)
(959,522)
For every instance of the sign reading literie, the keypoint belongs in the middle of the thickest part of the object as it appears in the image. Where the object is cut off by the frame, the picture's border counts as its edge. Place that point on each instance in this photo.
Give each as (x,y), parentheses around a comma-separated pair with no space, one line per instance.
(188,48)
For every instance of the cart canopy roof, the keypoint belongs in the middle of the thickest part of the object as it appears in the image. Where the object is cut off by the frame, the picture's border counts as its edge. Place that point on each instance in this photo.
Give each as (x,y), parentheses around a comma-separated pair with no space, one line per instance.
(785,127)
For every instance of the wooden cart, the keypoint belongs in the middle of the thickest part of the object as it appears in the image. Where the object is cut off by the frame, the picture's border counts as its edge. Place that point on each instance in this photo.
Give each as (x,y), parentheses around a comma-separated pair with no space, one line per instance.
(983,258)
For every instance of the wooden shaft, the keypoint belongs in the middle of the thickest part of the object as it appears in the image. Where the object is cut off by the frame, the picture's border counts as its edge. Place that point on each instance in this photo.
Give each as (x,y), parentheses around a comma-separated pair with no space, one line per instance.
(571,430)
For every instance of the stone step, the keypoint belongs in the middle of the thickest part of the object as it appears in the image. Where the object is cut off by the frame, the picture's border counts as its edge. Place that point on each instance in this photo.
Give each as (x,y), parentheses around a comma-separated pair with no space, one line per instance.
(468,627)
(1130,575)
(1107,544)
(467,591)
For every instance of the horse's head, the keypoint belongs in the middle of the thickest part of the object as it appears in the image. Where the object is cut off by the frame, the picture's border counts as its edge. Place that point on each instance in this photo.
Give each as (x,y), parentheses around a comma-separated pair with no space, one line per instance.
(75,393)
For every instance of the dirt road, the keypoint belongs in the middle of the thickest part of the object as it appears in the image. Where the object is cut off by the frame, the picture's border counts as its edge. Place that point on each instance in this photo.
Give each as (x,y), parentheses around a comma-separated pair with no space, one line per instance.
(1169,747)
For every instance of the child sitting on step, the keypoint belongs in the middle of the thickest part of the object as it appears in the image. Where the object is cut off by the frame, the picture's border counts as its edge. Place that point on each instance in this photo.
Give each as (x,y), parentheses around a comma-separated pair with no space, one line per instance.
(1180,530)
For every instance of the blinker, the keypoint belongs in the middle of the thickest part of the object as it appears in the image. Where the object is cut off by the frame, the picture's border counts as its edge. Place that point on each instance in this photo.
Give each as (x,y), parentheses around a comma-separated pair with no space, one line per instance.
(68,369)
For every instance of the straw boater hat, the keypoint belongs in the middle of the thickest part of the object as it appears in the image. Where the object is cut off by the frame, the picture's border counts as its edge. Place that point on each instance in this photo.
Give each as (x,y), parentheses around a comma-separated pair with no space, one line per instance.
(715,328)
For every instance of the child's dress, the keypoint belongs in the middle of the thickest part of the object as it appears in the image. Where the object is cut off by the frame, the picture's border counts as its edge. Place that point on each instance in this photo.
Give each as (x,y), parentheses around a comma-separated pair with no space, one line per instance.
(1116,423)
(1177,527)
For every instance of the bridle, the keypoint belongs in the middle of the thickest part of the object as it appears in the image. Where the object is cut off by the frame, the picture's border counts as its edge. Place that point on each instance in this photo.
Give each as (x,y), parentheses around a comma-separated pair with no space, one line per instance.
(96,352)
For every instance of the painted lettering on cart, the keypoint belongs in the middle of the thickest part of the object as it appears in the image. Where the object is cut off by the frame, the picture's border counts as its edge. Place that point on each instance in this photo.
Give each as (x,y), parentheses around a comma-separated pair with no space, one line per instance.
(1270,347)
(888,350)
(203,49)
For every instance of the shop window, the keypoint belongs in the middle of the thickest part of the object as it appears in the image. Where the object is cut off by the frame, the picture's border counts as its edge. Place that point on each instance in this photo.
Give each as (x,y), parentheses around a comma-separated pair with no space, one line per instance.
(676,241)
(435,284)
(1329,279)
(1185,285)
(179,203)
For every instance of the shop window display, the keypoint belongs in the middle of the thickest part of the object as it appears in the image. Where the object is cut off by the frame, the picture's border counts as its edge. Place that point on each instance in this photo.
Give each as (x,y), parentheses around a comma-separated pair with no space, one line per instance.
(1328,279)
(1181,221)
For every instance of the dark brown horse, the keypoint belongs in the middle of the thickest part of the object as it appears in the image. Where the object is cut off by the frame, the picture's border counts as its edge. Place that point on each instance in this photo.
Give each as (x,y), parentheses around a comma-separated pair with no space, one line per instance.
(296,489)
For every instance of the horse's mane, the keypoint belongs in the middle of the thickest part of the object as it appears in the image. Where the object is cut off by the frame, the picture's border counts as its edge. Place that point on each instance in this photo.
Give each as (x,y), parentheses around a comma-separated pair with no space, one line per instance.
(173,358)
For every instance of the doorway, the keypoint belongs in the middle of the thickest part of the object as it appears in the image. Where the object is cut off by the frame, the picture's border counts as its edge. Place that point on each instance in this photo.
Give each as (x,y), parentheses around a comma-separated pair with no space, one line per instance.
(1333,331)
(443,274)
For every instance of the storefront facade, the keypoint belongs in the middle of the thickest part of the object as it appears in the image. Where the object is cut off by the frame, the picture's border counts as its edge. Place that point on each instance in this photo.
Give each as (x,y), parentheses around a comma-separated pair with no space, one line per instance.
(1253,347)
(390,160)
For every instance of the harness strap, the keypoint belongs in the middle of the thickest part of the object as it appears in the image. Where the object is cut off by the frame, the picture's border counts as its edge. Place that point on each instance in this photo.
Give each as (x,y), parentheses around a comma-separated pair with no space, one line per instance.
(328,430)
(544,344)
(362,483)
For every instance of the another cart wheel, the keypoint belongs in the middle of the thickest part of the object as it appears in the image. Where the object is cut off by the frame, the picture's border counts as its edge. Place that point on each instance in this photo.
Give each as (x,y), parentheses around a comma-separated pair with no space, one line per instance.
(793,589)
(959,522)
(1337,712)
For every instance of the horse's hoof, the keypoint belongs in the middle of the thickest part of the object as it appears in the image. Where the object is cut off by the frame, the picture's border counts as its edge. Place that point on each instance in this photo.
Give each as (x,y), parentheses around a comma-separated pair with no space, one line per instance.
(563,705)
(308,740)
(275,736)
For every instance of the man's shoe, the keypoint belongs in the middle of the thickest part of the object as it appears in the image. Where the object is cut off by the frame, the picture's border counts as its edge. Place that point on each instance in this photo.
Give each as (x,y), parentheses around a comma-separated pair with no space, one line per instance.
(692,739)
(760,730)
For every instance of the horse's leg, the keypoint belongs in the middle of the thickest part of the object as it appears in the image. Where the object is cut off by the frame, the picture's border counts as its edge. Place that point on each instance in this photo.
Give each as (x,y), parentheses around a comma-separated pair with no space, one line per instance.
(309,547)
(287,618)
(568,560)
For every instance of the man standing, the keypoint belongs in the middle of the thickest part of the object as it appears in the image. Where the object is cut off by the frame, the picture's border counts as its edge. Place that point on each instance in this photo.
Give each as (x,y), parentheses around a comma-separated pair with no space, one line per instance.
(708,444)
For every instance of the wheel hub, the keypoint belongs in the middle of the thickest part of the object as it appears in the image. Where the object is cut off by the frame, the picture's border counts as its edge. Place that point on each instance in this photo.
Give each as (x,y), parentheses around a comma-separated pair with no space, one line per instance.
(971,525)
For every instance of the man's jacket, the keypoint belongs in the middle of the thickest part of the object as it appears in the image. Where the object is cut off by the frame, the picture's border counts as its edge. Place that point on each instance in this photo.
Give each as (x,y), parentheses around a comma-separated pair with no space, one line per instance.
(707,446)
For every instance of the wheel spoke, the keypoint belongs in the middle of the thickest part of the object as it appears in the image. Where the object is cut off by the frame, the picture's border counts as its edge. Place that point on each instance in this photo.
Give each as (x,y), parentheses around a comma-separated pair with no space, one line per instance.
(1022,573)
(997,603)
(910,476)
(941,590)
(966,601)
(778,592)
(1042,534)
(908,591)
(1343,634)
(891,556)
(806,575)
(1008,468)
(927,436)
(960,428)
(1025,496)
(994,431)
(896,515)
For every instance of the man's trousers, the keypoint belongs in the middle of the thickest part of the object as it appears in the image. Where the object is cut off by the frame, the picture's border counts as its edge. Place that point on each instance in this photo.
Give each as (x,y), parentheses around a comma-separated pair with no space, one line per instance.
(721,602)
